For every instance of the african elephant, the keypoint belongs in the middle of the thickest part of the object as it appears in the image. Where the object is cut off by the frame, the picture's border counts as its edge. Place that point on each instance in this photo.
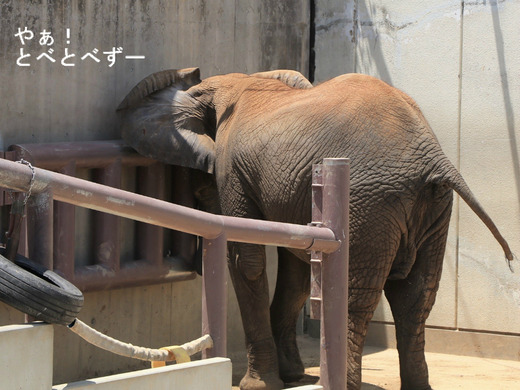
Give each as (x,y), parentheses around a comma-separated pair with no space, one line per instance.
(255,139)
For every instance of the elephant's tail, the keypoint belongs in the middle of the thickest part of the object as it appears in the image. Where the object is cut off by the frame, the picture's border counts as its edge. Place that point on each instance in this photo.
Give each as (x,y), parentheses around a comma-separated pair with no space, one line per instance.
(445,173)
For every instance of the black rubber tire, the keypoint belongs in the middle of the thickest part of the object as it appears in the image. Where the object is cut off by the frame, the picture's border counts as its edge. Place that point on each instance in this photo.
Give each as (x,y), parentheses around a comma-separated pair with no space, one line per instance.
(37,291)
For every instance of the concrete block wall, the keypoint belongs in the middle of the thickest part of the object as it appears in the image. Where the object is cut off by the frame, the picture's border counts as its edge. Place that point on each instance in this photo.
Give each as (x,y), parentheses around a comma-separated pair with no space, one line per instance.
(26,364)
(26,359)
(459,61)
(210,374)
(49,102)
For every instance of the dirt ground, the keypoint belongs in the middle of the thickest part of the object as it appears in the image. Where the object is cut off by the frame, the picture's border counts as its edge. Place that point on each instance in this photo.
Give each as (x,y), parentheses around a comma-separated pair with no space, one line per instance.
(381,370)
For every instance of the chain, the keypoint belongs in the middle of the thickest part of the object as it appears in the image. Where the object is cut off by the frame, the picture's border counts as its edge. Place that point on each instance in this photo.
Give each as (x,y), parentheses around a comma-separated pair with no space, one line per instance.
(31,184)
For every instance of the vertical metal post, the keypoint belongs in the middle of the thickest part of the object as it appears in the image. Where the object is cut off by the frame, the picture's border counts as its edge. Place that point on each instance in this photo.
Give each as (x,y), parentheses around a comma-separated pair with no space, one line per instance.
(150,242)
(182,194)
(65,228)
(334,274)
(214,295)
(107,226)
(40,220)
(40,212)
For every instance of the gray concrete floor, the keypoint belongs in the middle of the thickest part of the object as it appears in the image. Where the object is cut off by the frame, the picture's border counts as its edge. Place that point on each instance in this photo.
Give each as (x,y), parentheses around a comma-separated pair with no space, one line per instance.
(381,370)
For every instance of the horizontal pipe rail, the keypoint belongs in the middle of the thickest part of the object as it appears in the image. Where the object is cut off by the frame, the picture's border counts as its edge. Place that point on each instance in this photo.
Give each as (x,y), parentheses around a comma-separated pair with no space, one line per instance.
(153,211)
(87,154)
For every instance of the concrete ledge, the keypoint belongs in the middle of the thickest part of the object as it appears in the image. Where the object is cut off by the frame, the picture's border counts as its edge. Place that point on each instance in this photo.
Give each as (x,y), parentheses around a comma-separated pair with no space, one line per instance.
(26,359)
(454,342)
(208,374)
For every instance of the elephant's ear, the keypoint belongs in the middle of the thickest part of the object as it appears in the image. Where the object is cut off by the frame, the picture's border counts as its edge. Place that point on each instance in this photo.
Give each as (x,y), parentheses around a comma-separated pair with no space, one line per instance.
(290,77)
(181,79)
(162,121)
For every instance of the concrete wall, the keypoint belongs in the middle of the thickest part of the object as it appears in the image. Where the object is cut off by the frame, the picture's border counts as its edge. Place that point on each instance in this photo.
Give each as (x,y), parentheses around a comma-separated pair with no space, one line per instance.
(48,102)
(207,374)
(24,367)
(459,61)
(26,349)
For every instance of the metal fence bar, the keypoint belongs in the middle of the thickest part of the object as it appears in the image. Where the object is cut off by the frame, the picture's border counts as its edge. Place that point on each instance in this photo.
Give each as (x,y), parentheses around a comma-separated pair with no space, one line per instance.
(141,208)
(107,250)
(151,245)
(2,191)
(150,260)
(39,226)
(334,277)
(95,278)
(182,193)
(214,295)
(87,154)
(64,231)
(5,199)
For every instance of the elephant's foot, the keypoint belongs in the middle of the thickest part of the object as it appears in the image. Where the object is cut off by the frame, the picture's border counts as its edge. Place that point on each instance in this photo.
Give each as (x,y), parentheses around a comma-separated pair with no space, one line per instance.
(262,371)
(269,381)
(406,387)
(291,372)
(290,364)
(415,384)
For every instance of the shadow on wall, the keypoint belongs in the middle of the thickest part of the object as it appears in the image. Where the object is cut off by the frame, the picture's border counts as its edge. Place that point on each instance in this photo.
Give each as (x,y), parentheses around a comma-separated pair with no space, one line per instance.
(366,25)
(510,115)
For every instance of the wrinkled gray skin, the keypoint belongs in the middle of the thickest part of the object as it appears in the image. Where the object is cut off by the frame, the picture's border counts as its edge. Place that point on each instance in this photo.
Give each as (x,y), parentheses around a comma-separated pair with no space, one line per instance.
(254,140)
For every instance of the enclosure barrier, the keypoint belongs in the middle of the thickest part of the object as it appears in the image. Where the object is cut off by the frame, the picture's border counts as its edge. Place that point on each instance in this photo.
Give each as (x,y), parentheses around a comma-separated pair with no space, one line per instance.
(328,236)
(26,363)
(53,226)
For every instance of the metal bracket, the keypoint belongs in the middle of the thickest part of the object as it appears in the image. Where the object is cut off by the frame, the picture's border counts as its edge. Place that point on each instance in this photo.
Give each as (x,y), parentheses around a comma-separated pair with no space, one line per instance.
(316,257)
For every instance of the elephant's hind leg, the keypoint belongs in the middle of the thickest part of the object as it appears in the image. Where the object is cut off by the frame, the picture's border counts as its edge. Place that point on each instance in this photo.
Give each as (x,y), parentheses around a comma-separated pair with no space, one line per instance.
(411,300)
(247,269)
(292,289)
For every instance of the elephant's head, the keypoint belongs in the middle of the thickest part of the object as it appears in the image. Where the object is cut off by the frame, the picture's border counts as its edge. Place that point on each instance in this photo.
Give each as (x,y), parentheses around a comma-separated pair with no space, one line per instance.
(164,118)
(160,120)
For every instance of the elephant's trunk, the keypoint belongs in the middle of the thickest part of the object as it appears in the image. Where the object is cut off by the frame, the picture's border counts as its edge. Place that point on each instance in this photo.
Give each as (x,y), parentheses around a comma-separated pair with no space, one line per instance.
(445,173)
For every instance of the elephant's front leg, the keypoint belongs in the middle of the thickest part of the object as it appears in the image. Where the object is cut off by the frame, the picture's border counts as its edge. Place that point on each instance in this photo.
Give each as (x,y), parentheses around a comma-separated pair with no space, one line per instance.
(247,267)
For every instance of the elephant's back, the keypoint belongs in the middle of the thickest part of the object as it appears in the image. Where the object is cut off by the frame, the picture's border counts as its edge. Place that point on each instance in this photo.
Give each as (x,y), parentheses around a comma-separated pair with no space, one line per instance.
(354,116)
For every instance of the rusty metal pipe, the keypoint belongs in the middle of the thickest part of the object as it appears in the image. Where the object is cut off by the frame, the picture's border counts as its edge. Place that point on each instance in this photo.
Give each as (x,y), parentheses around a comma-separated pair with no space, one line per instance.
(40,222)
(106,238)
(15,228)
(334,276)
(98,277)
(150,243)
(88,154)
(64,232)
(141,208)
(214,295)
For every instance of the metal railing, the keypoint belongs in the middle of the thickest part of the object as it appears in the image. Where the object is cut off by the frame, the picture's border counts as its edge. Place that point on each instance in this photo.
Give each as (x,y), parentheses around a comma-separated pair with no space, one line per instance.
(326,239)
(88,249)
